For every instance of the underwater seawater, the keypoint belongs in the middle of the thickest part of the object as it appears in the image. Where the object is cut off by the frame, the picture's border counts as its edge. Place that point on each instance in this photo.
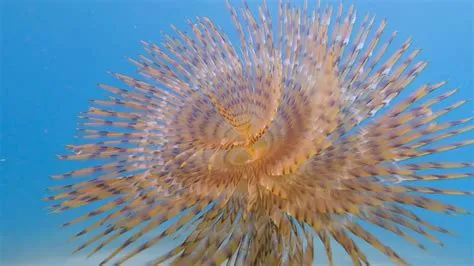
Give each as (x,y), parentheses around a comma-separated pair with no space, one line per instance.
(323,130)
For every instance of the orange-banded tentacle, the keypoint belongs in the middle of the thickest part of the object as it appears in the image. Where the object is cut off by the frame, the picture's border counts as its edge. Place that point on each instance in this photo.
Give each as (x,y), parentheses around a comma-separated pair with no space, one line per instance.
(387,225)
(363,234)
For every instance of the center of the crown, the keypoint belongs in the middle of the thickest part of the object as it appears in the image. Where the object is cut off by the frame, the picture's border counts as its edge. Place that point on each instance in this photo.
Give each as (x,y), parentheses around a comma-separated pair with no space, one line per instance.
(246,155)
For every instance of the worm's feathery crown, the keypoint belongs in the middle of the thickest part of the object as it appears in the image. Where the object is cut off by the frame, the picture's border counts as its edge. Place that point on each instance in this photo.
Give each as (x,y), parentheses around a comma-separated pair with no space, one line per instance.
(255,152)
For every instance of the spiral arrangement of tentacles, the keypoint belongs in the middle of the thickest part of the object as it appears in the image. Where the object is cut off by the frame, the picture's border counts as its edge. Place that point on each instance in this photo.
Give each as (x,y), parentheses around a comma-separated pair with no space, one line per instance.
(255,151)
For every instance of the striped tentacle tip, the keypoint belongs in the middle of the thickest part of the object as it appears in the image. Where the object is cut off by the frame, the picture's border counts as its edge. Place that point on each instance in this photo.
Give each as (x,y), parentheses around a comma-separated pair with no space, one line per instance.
(243,147)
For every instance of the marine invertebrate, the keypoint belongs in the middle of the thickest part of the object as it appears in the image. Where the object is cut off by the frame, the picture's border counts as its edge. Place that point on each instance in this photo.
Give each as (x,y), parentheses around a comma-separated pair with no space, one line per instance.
(257,153)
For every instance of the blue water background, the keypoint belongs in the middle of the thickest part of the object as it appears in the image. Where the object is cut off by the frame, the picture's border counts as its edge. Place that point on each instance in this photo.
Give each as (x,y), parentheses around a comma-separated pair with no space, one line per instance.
(54,52)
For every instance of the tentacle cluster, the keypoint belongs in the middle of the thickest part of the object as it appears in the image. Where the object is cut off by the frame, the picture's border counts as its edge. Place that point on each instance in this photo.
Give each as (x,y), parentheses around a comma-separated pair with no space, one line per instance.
(260,151)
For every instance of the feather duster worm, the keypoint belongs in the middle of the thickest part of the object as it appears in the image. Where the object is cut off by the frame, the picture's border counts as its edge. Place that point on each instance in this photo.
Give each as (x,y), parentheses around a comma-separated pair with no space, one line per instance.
(257,151)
